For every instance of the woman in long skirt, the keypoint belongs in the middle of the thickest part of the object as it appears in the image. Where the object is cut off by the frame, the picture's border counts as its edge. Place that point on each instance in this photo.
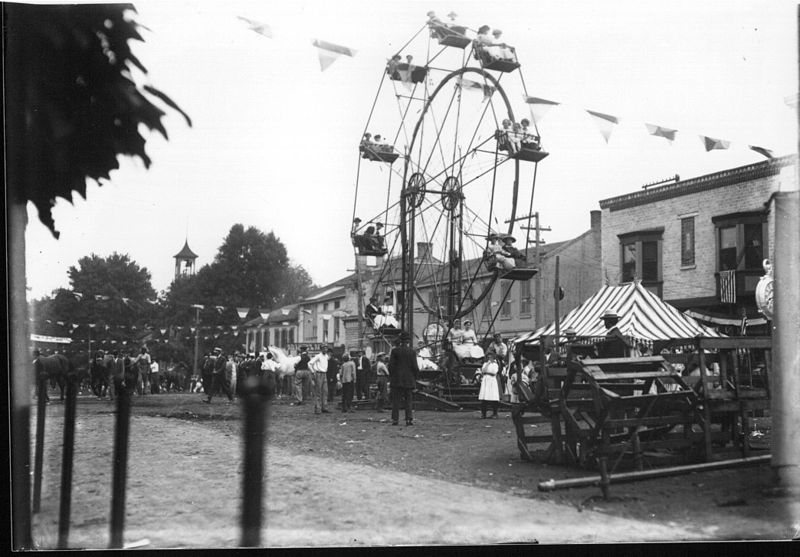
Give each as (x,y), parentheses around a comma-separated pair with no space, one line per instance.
(489,395)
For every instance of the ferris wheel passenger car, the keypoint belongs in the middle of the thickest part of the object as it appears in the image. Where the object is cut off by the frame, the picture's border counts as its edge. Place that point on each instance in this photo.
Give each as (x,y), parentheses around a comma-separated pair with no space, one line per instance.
(378,152)
(449,35)
(409,73)
(528,150)
(488,56)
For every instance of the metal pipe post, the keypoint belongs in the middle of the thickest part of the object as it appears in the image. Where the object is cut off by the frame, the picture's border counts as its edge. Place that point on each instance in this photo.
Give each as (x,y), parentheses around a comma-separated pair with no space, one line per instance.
(256,404)
(67,461)
(120,465)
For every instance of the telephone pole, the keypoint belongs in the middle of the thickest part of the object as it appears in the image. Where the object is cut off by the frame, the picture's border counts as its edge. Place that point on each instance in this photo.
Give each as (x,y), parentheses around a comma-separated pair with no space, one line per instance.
(537,278)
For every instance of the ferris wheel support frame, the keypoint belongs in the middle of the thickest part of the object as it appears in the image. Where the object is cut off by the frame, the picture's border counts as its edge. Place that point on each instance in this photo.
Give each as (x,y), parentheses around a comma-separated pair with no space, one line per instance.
(407,236)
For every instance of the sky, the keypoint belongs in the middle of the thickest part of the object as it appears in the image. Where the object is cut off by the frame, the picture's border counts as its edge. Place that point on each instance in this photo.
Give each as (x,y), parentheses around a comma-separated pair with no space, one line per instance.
(274,140)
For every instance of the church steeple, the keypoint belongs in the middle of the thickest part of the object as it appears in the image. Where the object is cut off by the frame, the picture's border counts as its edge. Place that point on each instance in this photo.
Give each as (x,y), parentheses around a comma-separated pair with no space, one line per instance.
(184,261)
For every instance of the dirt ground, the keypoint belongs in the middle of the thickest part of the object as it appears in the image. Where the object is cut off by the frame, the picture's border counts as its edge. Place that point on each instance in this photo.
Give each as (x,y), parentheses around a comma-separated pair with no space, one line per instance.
(353,480)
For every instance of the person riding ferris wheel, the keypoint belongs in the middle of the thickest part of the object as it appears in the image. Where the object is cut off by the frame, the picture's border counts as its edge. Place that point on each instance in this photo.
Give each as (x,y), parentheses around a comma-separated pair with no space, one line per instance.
(437,245)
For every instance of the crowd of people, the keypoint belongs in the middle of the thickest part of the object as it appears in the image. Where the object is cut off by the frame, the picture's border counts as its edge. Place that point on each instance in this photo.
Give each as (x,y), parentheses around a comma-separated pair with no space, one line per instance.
(317,379)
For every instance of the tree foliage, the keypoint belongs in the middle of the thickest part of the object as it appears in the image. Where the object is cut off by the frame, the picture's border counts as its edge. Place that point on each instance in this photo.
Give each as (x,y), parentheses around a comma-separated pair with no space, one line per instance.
(106,292)
(73,105)
(251,269)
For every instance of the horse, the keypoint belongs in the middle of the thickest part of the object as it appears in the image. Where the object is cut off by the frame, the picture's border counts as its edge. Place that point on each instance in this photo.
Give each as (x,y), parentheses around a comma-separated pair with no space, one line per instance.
(176,377)
(285,368)
(55,368)
(98,373)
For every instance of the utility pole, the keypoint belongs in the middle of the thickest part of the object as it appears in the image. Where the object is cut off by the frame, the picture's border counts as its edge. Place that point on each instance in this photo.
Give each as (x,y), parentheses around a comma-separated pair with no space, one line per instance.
(537,278)
(196,339)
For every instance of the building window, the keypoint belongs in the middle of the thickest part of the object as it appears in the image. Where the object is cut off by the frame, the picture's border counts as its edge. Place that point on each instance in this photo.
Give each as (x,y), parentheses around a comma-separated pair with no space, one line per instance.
(325,306)
(525,298)
(291,336)
(640,258)
(283,338)
(740,241)
(505,310)
(687,242)
(266,337)
(337,304)
(336,326)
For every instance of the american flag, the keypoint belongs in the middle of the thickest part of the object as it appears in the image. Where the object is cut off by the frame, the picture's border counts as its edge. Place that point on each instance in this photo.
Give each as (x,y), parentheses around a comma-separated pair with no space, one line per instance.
(727,287)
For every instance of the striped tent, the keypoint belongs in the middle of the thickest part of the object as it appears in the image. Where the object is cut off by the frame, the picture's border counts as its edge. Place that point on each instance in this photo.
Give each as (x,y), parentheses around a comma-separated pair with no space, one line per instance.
(643,316)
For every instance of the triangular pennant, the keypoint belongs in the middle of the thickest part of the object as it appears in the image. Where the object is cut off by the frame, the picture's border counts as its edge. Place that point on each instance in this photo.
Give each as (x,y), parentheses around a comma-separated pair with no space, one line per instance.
(163,331)
(91,325)
(198,306)
(660,131)
(78,296)
(154,302)
(264,314)
(126,301)
(329,52)
(539,107)
(710,143)
(762,151)
(469,84)
(605,123)
(242,312)
(258,27)
(220,309)
(192,329)
(102,297)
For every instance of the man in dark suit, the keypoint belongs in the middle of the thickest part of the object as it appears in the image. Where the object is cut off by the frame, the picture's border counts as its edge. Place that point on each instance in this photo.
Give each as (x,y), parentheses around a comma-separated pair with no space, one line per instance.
(403,372)
(363,372)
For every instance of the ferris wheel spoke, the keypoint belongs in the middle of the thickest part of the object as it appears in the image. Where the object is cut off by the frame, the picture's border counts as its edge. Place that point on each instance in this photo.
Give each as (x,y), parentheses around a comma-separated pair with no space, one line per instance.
(439,129)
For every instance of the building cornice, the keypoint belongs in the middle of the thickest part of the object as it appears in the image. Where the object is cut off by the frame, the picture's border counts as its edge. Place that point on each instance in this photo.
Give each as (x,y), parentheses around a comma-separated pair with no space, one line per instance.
(695,185)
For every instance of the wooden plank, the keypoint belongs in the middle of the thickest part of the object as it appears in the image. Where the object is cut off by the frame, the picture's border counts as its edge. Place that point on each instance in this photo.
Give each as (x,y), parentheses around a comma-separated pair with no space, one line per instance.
(614,361)
(731,343)
(648,421)
(603,376)
(432,398)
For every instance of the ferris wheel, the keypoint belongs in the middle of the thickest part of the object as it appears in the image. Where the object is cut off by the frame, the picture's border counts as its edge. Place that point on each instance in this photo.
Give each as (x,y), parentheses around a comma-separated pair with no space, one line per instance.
(437,201)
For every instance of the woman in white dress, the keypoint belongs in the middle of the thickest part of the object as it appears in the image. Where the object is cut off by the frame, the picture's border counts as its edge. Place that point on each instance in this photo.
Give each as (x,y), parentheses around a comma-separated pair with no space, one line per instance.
(489,395)
(469,342)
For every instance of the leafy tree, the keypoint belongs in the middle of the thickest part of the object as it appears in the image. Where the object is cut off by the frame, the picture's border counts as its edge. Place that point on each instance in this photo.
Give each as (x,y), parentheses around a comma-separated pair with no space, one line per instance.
(71,108)
(75,107)
(101,283)
(251,269)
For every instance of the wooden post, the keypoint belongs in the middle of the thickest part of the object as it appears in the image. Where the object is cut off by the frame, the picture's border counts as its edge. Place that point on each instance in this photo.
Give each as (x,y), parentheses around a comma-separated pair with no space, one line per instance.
(537,285)
(120,464)
(785,388)
(67,461)
(41,409)
(255,403)
(196,340)
(706,402)
(556,295)
(605,481)
(21,164)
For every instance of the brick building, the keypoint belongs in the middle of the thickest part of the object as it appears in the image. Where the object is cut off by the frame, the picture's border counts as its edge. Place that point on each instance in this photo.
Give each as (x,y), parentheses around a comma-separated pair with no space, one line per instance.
(698,243)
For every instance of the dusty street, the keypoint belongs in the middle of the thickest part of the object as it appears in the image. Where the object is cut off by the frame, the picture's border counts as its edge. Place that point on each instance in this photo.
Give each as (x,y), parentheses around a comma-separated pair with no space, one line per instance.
(352,479)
